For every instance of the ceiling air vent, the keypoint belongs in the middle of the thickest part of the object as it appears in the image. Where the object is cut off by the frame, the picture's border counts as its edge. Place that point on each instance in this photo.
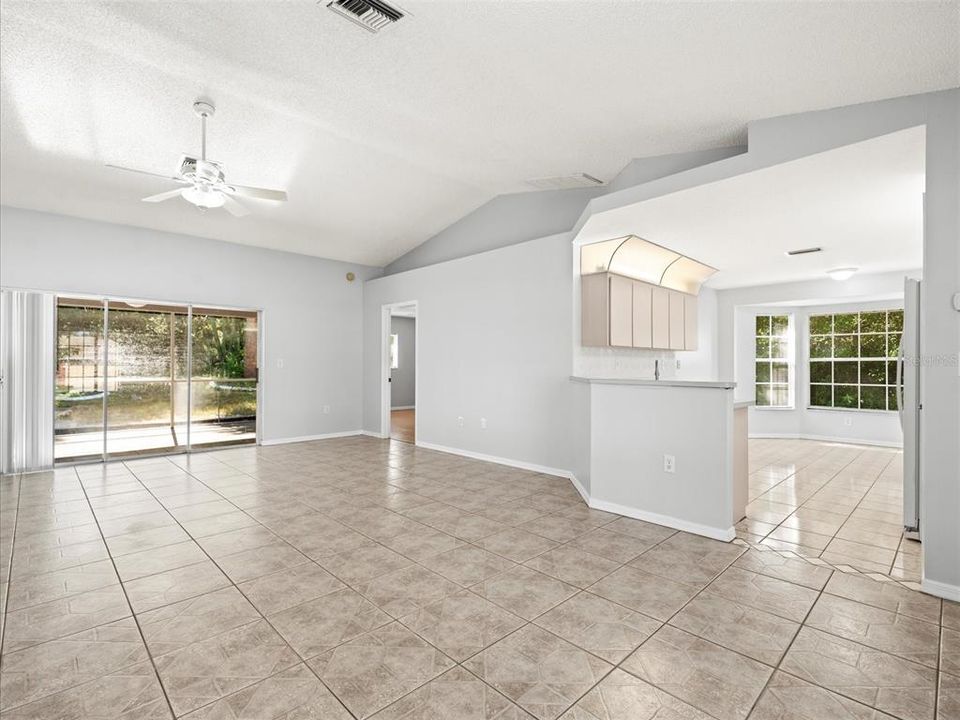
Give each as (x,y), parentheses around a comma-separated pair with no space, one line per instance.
(371,15)
(804,251)
(565,182)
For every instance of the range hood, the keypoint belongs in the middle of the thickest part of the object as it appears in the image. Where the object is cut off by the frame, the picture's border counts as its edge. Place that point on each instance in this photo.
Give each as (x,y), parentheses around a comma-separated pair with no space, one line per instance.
(641,259)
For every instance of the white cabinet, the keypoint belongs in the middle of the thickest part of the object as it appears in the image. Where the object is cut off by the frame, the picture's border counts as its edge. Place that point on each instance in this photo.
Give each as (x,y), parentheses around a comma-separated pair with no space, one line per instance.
(617,311)
(642,315)
(689,322)
(621,311)
(660,310)
(677,327)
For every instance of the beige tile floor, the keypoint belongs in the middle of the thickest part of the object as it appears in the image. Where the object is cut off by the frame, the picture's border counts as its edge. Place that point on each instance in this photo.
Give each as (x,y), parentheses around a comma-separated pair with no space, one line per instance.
(841,503)
(359,578)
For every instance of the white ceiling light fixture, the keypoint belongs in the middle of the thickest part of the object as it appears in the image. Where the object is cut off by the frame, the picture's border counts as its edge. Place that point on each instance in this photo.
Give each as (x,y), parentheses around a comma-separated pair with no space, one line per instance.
(641,259)
(842,273)
(206,186)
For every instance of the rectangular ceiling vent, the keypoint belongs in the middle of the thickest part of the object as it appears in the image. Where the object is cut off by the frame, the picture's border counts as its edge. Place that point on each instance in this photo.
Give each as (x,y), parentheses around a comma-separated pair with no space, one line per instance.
(565,182)
(804,251)
(371,15)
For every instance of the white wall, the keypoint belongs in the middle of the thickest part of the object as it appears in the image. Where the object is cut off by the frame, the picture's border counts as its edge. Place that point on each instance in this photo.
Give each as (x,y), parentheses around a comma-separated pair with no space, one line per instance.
(868,426)
(494,343)
(311,314)
(403,379)
(635,426)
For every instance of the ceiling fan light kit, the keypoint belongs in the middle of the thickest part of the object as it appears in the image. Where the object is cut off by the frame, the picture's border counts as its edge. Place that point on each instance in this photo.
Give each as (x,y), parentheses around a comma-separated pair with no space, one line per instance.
(206,186)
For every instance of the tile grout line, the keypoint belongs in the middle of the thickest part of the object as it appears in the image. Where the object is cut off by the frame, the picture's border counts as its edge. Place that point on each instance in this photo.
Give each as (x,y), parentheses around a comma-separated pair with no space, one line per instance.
(126,598)
(532,621)
(846,518)
(9,573)
(300,659)
(469,588)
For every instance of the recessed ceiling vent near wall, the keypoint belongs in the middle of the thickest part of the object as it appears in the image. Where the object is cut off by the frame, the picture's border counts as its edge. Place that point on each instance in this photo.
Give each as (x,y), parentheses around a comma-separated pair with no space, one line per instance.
(565,182)
(371,15)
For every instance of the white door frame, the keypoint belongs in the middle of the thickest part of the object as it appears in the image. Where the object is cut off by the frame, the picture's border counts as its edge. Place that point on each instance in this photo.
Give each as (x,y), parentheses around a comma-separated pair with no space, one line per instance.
(385,399)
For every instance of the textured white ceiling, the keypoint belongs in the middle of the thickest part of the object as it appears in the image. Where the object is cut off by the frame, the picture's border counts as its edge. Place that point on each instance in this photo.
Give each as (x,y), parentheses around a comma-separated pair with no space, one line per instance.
(862,203)
(383,140)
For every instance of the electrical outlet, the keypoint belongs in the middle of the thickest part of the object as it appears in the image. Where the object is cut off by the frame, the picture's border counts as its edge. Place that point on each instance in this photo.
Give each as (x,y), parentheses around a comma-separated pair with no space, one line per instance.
(847,420)
(326,409)
(678,364)
(483,423)
(280,364)
(669,464)
(460,421)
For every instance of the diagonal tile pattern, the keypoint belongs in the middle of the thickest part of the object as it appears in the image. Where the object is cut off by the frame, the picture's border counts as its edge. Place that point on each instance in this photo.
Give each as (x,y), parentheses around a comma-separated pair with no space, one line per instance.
(357,578)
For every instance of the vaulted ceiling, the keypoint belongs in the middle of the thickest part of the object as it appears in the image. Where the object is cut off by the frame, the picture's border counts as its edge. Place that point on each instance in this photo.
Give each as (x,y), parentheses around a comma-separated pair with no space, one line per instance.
(383,140)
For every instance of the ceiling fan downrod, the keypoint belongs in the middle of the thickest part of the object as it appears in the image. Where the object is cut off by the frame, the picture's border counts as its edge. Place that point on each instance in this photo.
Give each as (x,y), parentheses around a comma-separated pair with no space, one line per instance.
(204,109)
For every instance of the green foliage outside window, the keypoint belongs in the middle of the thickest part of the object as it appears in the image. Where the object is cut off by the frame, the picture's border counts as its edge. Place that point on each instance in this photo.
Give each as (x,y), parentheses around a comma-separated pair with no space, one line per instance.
(772,346)
(853,359)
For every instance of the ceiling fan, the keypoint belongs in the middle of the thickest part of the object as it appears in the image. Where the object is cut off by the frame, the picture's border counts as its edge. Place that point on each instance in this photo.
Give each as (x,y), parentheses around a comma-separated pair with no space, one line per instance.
(203,179)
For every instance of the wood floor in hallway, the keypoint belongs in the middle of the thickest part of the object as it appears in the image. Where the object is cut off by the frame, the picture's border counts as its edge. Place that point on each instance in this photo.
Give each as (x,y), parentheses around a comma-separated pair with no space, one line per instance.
(402,424)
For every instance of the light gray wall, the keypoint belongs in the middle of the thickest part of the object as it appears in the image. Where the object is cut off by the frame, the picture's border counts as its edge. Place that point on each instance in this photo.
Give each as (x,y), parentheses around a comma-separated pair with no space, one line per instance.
(644,170)
(403,389)
(504,220)
(518,217)
(494,343)
(312,317)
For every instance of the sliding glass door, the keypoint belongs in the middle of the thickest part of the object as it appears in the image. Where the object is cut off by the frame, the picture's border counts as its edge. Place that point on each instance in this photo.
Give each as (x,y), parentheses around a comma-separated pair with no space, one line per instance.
(224,382)
(146,378)
(81,379)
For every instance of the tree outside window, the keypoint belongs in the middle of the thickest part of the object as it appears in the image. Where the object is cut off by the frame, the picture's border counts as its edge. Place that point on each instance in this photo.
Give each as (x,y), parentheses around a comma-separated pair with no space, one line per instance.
(853,362)
(772,339)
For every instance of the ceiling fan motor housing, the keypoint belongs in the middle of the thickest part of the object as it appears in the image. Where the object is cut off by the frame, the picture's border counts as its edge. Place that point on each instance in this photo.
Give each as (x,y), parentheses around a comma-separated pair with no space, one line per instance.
(201,171)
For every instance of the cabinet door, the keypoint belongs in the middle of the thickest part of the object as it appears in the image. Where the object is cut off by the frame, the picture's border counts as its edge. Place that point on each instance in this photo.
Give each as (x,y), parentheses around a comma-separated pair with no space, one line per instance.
(621,311)
(642,315)
(676,321)
(660,316)
(690,322)
(594,318)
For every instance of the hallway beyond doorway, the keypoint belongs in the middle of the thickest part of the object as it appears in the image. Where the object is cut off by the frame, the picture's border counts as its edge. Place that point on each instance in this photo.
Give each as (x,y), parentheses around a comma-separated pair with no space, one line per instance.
(402,424)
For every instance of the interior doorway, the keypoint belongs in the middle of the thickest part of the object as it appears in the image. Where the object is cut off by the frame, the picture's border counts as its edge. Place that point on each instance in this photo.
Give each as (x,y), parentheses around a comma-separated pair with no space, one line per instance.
(146,378)
(399,417)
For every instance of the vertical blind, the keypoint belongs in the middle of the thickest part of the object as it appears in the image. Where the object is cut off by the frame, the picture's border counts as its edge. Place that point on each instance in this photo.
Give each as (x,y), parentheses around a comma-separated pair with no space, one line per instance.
(26,393)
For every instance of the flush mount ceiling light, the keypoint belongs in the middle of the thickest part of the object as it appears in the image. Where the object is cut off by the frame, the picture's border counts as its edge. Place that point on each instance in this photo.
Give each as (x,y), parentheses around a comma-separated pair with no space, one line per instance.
(641,259)
(842,273)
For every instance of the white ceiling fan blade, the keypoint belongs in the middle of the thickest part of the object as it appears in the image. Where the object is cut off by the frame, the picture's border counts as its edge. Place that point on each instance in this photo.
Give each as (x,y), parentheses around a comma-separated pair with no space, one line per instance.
(233,207)
(151,174)
(258,193)
(160,197)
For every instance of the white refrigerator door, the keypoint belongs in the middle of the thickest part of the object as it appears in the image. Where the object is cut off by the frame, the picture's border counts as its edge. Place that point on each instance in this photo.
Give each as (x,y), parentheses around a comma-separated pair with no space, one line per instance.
(908,400)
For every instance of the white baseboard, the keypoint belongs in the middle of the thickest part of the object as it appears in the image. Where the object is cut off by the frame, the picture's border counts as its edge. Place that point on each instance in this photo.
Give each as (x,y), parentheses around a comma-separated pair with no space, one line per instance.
(725,535)
(580,489)
(404,407)
(499,460)
(824,438)
(308,438)
(370,433)
(943,590)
